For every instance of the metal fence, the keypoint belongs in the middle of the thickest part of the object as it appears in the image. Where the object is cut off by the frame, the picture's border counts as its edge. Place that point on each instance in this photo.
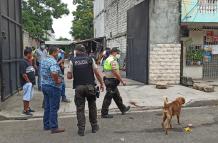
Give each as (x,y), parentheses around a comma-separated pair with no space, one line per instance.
(10,46)
(205,54)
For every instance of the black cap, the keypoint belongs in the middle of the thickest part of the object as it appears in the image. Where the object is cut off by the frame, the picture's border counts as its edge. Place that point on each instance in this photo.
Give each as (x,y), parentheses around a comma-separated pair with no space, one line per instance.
(80,48)
(115,49)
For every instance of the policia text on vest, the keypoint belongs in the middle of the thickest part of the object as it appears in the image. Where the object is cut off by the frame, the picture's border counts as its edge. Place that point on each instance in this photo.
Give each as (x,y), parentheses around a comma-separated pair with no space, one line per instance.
(83,72)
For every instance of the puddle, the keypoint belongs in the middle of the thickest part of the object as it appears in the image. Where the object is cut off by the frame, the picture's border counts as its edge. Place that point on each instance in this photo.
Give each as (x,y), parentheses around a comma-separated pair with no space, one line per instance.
(159,114)
(2,118)
(154,130)
(157,130)
(215,122)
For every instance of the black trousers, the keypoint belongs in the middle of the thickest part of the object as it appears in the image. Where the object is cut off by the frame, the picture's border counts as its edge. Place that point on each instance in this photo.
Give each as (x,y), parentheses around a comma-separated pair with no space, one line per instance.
(112,92)
(84,92)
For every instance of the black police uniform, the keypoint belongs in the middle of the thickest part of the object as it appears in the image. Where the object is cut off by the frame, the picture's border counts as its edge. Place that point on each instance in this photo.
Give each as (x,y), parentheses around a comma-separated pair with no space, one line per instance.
(112,93)
(84,85)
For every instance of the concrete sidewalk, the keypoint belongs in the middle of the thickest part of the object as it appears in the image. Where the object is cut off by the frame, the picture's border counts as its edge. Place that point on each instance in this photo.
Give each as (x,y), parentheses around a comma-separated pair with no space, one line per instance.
(145,96)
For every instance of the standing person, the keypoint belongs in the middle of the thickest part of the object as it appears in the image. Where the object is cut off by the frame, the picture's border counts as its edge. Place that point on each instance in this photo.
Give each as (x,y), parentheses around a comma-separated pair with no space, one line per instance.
(27,73)
(40,54)
(83,71)
(51,87)
(112,79)
(63,86)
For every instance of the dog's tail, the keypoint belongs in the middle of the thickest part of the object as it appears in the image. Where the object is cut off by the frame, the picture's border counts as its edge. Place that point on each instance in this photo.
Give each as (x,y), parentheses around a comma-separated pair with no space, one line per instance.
(165,101)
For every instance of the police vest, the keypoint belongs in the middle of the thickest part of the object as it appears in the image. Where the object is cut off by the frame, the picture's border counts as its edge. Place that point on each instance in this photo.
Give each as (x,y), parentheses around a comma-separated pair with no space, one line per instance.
(107,64)
(83,71)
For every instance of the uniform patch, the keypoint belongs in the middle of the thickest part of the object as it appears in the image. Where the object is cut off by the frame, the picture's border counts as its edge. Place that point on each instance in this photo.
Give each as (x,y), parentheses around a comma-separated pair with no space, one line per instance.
(82,62)
(114,65)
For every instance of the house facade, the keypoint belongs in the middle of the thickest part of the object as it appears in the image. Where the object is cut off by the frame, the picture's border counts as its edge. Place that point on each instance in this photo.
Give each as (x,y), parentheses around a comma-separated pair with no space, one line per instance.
(147,32)
(199,31)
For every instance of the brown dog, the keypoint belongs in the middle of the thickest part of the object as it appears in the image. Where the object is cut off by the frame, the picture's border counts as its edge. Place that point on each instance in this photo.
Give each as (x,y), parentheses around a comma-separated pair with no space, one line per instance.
(170,110)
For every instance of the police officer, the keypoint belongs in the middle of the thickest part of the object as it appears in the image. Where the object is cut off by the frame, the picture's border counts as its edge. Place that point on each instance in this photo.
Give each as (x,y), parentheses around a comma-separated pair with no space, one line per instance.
(112,79)
(83,71)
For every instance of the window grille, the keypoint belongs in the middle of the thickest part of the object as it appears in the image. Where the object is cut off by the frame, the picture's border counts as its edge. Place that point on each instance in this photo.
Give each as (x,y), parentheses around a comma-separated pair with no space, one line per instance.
(208,6)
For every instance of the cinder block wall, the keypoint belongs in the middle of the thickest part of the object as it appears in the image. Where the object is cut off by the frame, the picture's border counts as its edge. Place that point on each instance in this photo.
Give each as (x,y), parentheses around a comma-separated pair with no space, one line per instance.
(164,63)
(116,23)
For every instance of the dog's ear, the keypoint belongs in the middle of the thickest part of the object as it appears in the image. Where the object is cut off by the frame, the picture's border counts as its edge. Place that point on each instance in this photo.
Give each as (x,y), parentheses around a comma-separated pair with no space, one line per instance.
(182,100)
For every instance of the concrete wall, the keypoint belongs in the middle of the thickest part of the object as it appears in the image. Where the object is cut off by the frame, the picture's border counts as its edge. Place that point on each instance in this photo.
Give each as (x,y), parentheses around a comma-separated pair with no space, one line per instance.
(164,35)
(165,48)
(164,21)
(99,18)
(98,7)
(28,41)
(99,26)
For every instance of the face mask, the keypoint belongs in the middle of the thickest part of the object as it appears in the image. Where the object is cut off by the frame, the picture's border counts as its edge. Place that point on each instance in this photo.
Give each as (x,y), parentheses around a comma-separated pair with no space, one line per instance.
(59,55)
(104,53)
(74,53)
(43,47)
(118,56)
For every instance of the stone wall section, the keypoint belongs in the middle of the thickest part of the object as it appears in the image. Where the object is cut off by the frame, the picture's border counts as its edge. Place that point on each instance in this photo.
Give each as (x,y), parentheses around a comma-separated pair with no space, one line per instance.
(164,63)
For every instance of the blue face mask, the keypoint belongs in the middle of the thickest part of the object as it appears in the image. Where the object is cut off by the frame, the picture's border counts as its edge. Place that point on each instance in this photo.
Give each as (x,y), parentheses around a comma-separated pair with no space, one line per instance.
(59,55)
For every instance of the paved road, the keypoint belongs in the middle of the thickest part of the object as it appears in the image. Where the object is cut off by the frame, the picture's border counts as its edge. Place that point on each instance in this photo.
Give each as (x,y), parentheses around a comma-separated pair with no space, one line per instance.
(132,128)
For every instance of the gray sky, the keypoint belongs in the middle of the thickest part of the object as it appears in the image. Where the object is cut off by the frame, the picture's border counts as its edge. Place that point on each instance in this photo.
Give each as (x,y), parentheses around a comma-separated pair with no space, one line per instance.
(62,25)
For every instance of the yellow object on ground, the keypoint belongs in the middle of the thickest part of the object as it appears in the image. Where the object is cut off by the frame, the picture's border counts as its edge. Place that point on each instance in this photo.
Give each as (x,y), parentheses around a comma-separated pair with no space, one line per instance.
(187,130)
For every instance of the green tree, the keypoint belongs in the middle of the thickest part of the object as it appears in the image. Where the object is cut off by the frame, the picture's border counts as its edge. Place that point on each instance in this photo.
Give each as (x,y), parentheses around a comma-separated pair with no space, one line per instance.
(37,15)
(62,39)
(82,27)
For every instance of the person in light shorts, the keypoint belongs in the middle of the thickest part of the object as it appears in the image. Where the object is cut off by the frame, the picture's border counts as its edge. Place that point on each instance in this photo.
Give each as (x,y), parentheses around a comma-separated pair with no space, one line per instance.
(28,91)
(27,78)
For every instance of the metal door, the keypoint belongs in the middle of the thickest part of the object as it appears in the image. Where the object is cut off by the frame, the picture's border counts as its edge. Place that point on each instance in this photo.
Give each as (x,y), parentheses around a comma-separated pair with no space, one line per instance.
(10,46)
(210,65)
(137,42)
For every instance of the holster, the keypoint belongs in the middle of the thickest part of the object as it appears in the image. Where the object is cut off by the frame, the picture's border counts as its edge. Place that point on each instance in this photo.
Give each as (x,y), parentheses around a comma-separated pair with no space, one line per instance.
(92,90)
(111,82)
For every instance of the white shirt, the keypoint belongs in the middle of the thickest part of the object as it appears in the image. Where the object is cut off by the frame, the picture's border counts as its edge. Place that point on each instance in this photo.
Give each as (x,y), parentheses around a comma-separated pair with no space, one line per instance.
(41,54)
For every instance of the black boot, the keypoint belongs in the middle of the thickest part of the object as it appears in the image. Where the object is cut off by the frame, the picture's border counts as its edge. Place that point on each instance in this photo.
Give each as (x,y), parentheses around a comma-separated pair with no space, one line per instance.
(81,133)
(126,110)
(107,116)
(95,128)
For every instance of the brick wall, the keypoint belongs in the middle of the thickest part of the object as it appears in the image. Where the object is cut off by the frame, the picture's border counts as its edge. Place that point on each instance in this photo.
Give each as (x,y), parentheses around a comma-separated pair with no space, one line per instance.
(164,63)
(116,22)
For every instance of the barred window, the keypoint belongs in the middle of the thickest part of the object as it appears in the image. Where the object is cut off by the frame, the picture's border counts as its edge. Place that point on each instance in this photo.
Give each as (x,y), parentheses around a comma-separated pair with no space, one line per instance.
(208,6)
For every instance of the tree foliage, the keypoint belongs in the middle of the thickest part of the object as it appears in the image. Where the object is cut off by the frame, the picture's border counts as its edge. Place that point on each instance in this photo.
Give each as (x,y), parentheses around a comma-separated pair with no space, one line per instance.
(62,39)
(82,27)
(37,15)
